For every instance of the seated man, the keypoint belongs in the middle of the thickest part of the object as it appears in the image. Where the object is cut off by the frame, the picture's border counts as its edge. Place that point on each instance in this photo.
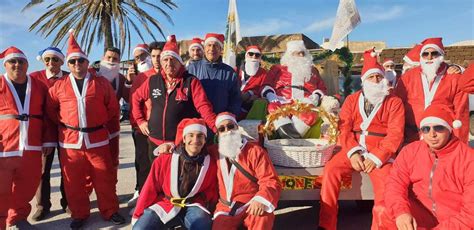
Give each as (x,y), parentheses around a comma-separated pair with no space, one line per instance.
(181,187)
(295,79)
(431,185)
(249,188)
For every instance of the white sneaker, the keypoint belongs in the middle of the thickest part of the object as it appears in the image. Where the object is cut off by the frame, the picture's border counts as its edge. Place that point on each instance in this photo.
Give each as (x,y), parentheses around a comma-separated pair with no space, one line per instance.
(132,202)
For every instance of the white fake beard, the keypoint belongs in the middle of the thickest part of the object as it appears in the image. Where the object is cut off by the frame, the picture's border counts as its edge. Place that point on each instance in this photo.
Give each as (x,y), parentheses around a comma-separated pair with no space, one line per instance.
(299,67)
(251,66)
(145,65)
(375,92)
(430,69)
(390,75)
(109,70)
(230,144)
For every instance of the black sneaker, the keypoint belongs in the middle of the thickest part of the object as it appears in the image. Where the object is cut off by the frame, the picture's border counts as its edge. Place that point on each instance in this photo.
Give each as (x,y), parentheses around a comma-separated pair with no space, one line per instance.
(117,219)
(77,223)
(40,214)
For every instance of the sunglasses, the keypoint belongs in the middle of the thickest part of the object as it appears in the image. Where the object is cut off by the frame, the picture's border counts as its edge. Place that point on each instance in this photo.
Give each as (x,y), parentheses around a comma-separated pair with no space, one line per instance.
(53,59)
(14,61)
(79,60)
(223,128)
(433,54)
(252,54)
(436,128)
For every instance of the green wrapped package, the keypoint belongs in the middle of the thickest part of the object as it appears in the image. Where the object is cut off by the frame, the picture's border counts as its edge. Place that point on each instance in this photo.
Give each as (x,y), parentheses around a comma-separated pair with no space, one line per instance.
(258,110)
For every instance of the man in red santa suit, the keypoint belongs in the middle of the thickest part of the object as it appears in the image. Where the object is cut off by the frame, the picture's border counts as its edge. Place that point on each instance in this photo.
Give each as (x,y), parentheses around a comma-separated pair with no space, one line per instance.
(195,50)
(371,131)
(86,109)
(251,77)
(53,59)
(249,187)
(431,185)
(182,187)
(25,135)
(390,73)
(295,79)
(429,84)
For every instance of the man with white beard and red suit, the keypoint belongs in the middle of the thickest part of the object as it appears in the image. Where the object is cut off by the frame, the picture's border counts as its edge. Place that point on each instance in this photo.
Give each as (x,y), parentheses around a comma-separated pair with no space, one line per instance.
(25,135)
(53,59)
(390,73)
(295,79)
(182,186)
(86,109)
(430,84)
(371,131)
(249,188)
(251,77)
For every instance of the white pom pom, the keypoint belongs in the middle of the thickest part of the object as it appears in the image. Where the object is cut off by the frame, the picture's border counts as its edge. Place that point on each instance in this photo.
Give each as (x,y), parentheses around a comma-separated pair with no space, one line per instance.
(38,58)
(373,54)
(168,38)
(71,31)
(457,124)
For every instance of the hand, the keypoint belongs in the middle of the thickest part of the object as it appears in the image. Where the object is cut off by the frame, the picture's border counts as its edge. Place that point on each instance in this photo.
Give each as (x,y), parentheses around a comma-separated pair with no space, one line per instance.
(357,162)
(369,165)
(165,148)
(454,69)
(406,222)
(131,73)
(255,208)
(47,150)
(144,128)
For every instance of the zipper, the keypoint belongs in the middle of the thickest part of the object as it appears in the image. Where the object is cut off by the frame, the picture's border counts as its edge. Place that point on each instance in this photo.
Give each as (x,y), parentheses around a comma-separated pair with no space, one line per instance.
(430,187)
(164,118)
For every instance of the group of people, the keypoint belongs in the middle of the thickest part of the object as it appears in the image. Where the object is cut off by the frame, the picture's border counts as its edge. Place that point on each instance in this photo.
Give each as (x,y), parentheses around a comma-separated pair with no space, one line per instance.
(407,131)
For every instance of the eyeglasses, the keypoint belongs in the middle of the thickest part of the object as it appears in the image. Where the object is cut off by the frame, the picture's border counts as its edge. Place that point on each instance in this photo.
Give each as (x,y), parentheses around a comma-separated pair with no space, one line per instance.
(252,54)
(433,54)
(53,59)
(436,128)
(223,128)
(79,60)
(14,61)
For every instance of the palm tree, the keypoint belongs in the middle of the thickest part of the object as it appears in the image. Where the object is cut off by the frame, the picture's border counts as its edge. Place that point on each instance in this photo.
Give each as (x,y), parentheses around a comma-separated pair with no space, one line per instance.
(94,20)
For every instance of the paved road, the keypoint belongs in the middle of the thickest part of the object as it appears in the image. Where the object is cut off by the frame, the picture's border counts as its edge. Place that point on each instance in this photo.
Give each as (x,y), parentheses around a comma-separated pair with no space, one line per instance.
(290,215)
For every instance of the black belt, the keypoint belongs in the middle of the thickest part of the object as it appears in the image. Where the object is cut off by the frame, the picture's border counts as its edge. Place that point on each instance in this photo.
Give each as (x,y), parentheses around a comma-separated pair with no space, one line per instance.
(233,208)
(84,130)
(368,133)
(20,117)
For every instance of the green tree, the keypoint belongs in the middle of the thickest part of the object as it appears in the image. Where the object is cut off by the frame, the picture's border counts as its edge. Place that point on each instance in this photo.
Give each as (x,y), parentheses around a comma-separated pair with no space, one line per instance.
(95,20)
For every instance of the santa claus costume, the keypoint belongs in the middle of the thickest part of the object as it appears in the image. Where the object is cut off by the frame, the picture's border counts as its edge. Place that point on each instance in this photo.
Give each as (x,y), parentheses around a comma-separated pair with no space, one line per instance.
(434,186)
(23,133)
(181,189)
(419,89)
(390,74)
(236,190)
(373,130)
(195,43)
(86,120)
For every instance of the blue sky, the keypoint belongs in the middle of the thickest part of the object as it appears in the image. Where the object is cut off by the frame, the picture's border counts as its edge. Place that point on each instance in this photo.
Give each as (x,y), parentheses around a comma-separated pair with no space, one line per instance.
(400,23)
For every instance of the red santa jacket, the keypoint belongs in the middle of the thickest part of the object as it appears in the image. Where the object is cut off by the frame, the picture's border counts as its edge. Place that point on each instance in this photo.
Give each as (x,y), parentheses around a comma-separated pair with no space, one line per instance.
(137,82)
(412,88)
(254,83)
(280,81)
(96,106)
(441,181)
(31,133)
(467,80)
(378,135)
(234,186)
(41,75)
(162,183)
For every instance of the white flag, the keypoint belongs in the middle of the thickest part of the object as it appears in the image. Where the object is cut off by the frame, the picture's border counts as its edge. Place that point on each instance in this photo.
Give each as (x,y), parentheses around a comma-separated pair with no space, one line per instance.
(347,18)
(232,35)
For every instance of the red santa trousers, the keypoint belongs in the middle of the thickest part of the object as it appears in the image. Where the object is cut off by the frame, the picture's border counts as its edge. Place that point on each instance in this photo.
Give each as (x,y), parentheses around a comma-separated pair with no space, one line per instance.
(114,152)
(334,170)
(19,179)
(223,222)
(97,163)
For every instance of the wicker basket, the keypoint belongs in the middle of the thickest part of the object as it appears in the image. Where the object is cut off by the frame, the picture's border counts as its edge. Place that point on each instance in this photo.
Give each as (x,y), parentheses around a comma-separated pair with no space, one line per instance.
(250,128)
(299,153)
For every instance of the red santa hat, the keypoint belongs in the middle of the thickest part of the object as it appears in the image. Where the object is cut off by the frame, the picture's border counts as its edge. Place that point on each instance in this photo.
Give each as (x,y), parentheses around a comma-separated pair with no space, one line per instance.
(225,116)
(171,49)
(142,47)
(73,49)
(188,125)
(213,37)
(440,115)
(435,43)
(371,65)
(296,45)
(12,52)
(413,55)
(253,49)
(388,61)
(196,42)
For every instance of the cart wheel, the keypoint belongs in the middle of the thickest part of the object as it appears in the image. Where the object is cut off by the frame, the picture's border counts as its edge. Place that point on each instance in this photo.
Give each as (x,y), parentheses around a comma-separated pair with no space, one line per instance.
(365,205)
